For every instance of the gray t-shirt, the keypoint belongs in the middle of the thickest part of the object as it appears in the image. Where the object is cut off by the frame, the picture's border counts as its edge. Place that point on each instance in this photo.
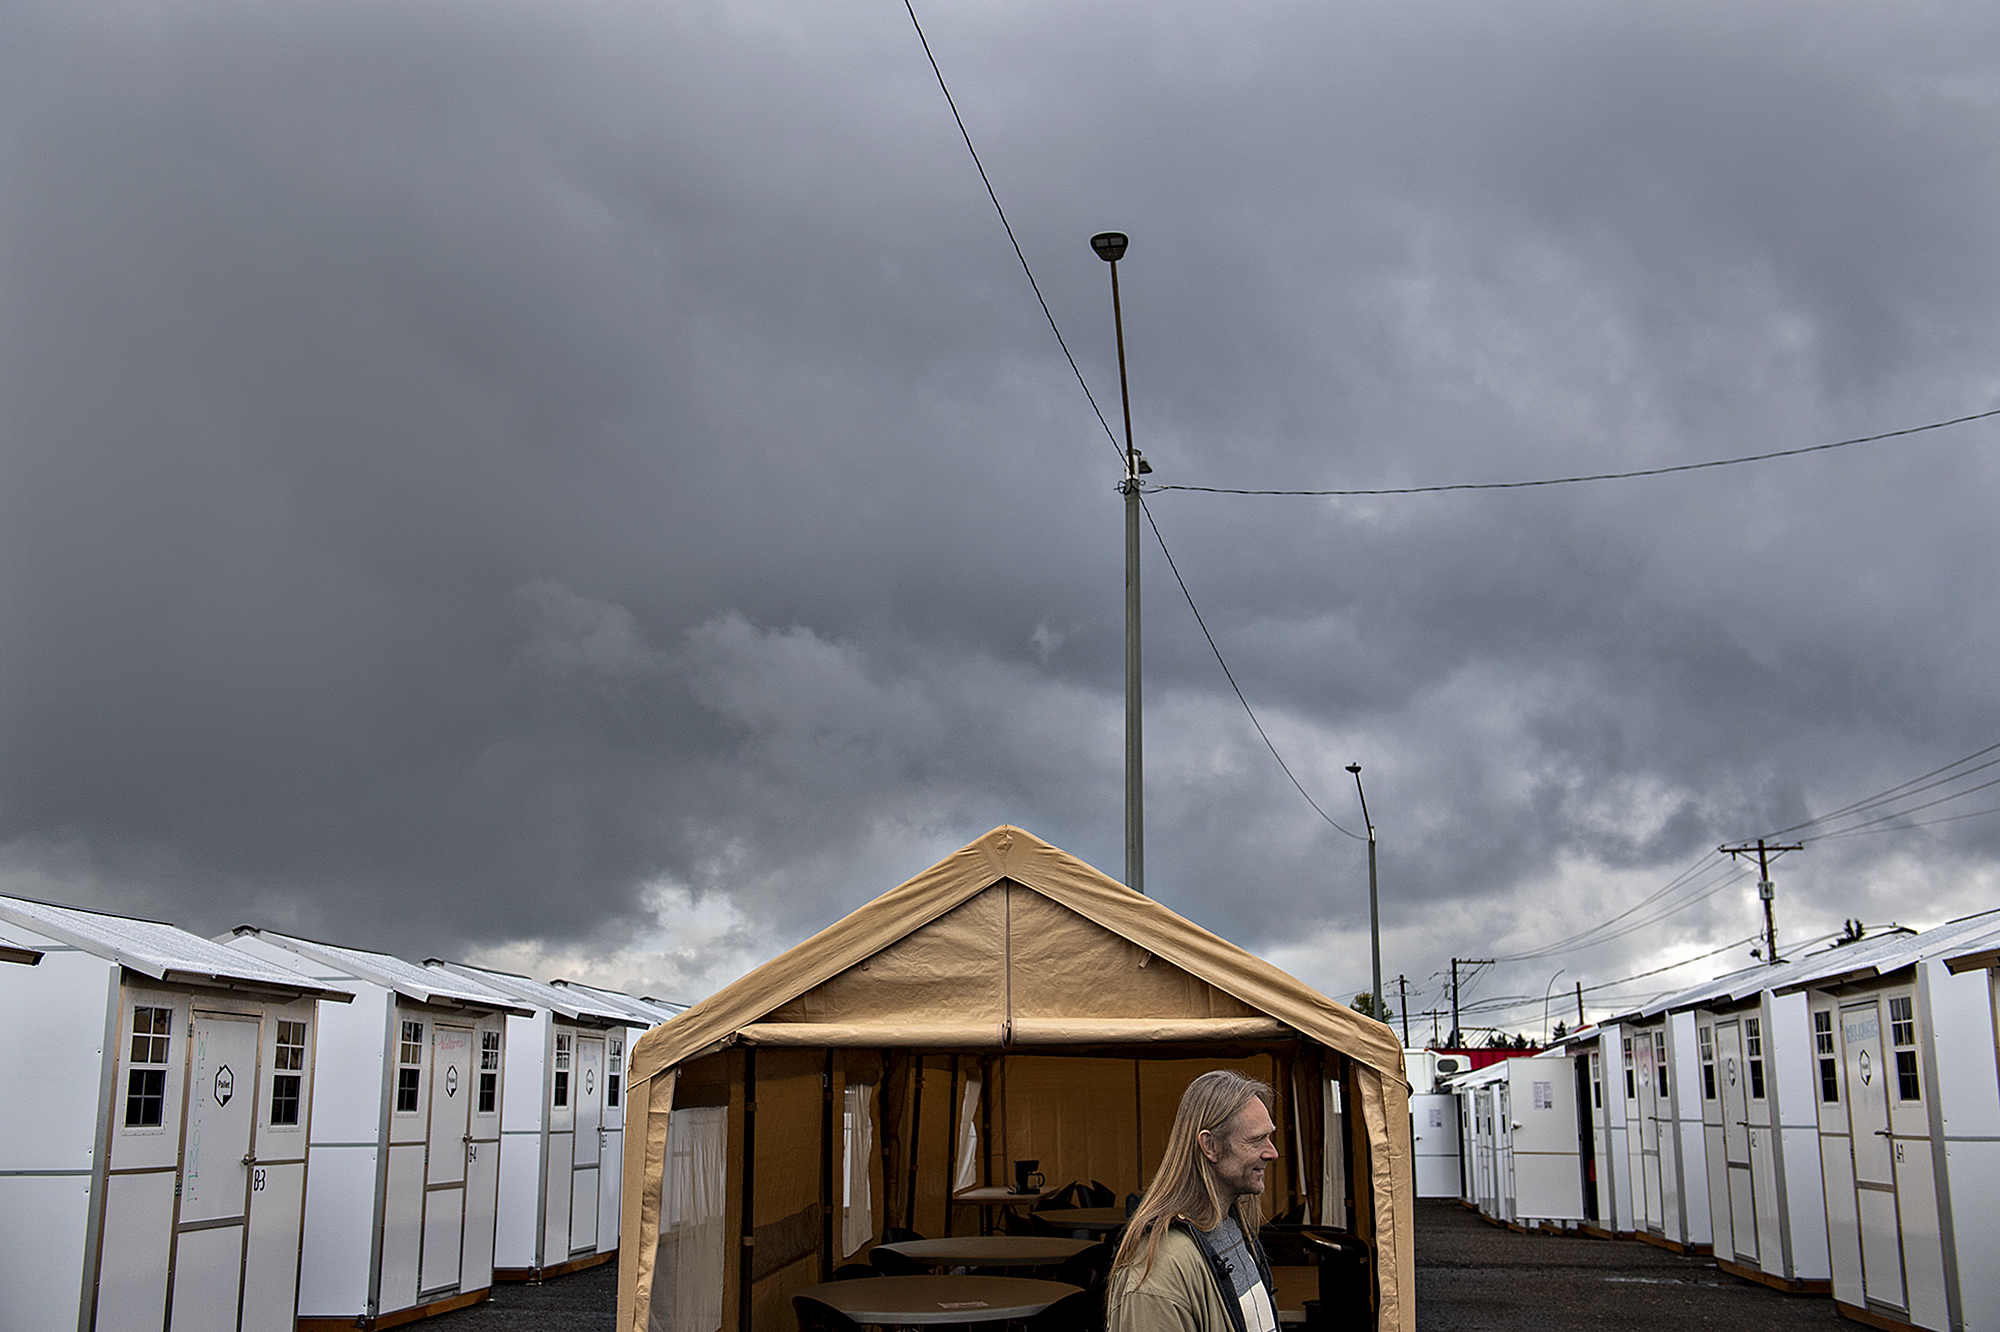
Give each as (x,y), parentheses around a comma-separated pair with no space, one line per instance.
(1234,1251)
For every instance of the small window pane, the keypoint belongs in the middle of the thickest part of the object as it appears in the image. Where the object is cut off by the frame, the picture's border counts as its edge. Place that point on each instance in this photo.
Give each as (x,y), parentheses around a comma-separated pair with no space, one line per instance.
(1902,1022)
(152,1034)
(145,1097)
(1907,1087)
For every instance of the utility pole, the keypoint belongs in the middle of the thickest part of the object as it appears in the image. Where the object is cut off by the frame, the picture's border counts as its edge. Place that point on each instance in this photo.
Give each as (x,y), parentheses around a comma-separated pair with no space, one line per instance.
(1433,1014)
(1457,1035)
(1579,1003)
(1403,984)
(1765,889)
(1110,247)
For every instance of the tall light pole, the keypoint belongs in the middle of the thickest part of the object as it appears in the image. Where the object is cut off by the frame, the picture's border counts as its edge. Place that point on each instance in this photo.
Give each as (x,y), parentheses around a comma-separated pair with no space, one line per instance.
(1110,247)
(1548,990)
(1374,908)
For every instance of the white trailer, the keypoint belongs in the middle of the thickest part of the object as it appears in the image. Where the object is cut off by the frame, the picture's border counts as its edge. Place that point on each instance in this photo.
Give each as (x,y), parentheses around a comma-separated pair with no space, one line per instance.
(1434,1122)
(562,1126)
(152,1127)
(405,1147)
(1903,1076)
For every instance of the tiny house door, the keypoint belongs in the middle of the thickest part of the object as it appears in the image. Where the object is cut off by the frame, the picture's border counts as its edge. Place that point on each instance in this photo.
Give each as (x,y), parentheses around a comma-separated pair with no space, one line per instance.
(611,1158)
(207,1279)
(444,1170)
(1736,1141)
(1874,1152)
(587,1145)
(1648,1128)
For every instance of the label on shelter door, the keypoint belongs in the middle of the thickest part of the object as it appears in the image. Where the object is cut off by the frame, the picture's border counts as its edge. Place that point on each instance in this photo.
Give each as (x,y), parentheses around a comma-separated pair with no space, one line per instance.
(1437,1117)
(589,1081)
(1867,1069)
(1544,1095)
(225,1085)
(451,1080)
(1864,1028)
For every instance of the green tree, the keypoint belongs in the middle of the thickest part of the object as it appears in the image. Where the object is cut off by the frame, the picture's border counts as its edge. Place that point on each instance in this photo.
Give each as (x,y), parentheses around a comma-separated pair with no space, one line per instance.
(1364,1004)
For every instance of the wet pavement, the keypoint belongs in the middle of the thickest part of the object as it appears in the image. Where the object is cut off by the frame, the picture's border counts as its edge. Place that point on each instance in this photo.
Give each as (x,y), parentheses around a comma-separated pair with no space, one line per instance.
(1471,1277)
(1477,1277)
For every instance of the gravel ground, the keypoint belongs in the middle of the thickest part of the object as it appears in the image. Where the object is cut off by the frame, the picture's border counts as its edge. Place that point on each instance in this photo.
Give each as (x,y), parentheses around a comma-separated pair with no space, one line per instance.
(1471,1277)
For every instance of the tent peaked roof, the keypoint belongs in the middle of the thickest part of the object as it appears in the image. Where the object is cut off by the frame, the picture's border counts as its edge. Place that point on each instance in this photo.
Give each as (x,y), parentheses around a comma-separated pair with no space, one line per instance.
(950,961)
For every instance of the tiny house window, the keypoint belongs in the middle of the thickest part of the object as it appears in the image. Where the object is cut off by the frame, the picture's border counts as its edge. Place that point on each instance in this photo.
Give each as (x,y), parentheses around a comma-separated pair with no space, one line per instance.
(288,1062)
(1631,1084)
(489,1071)
(1829,1063)
(1903,1033)
(146,1082)
(1660,1061)
(1753,1049)
(1707,1063)
(562,1071)
(617,1068)
(409,1066)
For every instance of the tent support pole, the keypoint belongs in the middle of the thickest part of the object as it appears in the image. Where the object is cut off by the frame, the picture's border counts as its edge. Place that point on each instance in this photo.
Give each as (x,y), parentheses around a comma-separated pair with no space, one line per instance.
(747,1259)
(916,1127)
(1285,1085)
(826,1170)
(951,1144)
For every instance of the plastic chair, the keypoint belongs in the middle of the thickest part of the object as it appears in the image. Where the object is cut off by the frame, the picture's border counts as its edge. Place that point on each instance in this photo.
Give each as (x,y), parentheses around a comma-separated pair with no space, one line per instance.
(890,1263)
(1086,1268)
(1080,1312)
(815,1316)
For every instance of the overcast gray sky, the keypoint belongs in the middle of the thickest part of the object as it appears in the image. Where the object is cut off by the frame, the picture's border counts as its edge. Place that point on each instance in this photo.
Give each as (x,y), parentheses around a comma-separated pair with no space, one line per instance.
(588,487)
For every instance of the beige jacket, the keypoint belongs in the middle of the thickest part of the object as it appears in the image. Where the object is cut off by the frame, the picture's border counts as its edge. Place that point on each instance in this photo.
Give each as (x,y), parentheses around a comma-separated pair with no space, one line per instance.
(1180,1294)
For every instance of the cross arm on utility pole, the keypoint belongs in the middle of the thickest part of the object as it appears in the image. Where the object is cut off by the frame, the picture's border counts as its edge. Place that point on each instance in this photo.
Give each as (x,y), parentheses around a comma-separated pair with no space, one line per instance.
(1764,851)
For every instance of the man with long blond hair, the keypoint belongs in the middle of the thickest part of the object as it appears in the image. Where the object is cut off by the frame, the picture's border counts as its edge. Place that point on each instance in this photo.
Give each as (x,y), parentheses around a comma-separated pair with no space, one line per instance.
(1190,1260)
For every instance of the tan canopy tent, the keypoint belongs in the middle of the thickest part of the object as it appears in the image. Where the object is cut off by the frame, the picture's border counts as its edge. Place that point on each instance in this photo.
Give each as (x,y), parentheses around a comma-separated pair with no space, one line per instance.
(1010,1002)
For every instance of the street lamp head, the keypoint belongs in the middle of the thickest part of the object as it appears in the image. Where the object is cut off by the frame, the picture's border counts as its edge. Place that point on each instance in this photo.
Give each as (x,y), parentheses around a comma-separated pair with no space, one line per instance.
(1354,768)
(1110,245)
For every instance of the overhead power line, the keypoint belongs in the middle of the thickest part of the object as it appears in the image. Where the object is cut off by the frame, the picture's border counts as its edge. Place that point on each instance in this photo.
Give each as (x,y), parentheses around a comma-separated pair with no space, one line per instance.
(994,195)
(1601,476)
(1062,342)
(1915,786)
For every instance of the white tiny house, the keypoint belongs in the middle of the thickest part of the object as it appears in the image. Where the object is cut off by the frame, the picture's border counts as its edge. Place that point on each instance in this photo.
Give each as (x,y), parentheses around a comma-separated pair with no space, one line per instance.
(1903,1078)
(562,1126)
(1750,1078)
(153,1143)
(405,1145)
(1666,1156)
(1523,1147)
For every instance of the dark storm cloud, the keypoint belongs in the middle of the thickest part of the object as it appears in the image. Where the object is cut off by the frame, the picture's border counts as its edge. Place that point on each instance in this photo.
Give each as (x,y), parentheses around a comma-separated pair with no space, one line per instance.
(593,480)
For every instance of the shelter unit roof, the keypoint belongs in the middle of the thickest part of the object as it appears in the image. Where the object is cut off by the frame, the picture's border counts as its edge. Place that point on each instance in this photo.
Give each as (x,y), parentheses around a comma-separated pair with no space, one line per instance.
(424,985)
(1889,953)
(1010,942)
(161,951)
(560,1000)
(647,1012)
(1731,987)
